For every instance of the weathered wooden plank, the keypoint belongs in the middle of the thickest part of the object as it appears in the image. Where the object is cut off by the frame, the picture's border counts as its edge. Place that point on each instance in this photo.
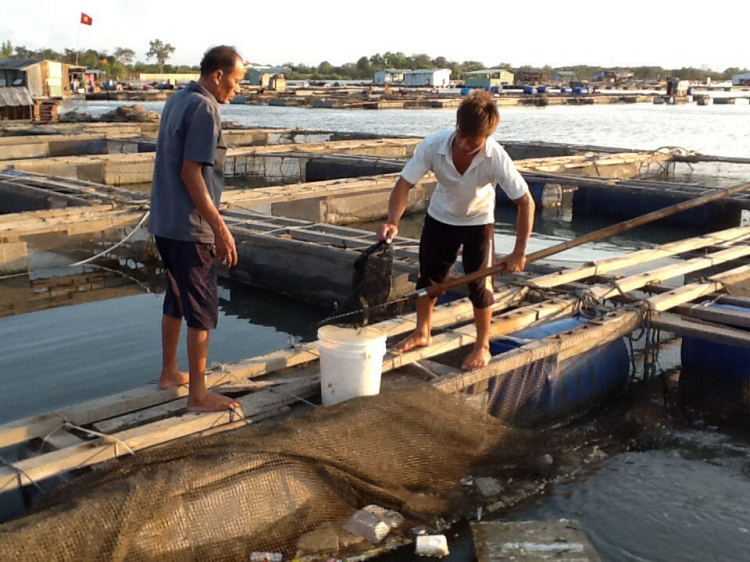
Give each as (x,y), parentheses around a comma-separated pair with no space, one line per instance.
(670,272)
(562,540)
(639,257)
(146,397)
(507,323)
(710,332)
(62,439)
(590,335)
(578,340)
(96,451)
(715,315)
(155,413)
(692,291)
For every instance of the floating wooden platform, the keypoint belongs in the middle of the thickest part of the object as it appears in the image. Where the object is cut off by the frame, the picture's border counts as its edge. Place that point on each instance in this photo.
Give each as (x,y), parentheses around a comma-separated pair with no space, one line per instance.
(279,163)
(118,425)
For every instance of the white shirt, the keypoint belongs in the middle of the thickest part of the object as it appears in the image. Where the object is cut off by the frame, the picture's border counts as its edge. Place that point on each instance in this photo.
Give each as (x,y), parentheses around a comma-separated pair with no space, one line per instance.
(468,199)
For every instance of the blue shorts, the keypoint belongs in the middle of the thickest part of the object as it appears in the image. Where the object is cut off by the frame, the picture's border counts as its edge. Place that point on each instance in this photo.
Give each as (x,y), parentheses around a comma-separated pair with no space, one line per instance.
(192,292)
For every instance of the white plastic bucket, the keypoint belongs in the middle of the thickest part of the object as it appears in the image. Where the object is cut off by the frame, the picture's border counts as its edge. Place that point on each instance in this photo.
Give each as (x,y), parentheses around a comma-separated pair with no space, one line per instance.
(351,362)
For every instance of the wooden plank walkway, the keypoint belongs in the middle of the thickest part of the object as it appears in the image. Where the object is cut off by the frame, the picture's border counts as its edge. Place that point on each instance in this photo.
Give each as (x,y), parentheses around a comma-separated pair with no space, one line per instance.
(112,426)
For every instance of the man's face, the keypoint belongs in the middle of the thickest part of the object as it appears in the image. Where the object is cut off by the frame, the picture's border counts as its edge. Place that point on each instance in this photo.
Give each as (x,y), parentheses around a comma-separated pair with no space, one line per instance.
(228,83)
(469,145)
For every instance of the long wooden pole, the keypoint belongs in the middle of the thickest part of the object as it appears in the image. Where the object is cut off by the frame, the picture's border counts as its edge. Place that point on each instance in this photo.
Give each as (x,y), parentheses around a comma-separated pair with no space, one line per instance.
(601,234)
(595,236)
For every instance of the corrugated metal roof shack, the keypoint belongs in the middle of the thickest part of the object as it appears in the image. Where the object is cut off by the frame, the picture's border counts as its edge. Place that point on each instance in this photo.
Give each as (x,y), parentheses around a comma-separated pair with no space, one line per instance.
(41,79)
(16,104)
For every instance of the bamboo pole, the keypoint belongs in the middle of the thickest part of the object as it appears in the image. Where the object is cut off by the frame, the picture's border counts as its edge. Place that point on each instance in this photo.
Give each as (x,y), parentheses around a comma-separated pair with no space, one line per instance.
(595,236)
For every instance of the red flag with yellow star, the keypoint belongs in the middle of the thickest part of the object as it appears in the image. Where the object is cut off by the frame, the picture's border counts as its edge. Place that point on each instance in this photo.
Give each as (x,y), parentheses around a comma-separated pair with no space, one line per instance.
(86,19)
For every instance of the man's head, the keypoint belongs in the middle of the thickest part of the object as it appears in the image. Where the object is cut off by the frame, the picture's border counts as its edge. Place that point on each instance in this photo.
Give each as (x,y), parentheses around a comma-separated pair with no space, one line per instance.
(221,72)
(476,120)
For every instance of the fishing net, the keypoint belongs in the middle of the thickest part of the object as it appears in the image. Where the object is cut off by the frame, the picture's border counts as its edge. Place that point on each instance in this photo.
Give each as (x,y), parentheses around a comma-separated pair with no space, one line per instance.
(371,287)
(289,487)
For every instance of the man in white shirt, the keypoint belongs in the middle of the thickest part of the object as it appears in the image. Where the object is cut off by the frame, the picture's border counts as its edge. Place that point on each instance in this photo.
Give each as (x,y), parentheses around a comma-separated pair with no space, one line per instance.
(468,163)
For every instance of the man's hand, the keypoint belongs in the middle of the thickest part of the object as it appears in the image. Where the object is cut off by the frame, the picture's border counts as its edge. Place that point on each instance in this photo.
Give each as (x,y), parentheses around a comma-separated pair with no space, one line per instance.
(226,251)
(512,262)
(387,232)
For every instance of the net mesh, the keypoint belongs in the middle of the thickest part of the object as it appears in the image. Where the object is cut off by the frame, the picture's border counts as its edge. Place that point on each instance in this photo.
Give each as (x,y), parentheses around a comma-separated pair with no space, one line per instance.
(289,487)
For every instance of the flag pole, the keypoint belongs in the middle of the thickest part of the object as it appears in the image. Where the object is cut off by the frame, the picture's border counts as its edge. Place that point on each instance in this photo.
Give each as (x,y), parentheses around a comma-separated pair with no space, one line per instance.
(78,43)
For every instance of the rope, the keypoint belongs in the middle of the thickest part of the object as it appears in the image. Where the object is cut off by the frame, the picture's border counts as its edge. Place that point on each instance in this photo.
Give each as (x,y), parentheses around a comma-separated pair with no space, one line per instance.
(92,258)
(120,243)
(21,473)
(589,305)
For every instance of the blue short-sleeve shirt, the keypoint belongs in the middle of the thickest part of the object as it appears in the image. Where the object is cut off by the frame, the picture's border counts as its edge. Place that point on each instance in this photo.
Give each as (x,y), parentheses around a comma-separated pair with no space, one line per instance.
(190,130)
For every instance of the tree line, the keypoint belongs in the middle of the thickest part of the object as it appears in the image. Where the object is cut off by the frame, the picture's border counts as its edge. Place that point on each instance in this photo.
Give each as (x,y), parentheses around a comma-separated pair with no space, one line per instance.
(122,65)
(365,67)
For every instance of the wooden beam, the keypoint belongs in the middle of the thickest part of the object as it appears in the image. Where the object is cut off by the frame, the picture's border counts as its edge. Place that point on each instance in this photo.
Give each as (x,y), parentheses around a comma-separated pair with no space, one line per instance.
(145,397)
(640,257)
(588,336)
(25,472)
(711,332)
(686,293)
(715,314)
(670,272)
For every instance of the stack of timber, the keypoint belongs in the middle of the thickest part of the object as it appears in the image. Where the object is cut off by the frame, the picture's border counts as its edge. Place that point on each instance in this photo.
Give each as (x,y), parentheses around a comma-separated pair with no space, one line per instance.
(267,386)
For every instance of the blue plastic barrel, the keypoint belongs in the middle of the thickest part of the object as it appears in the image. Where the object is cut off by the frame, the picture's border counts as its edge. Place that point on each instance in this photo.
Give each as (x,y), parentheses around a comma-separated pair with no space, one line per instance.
(542,89)
(465,91)
(536,189)
(528,90)
(715,373)
(549,390)
(565,90)
(495,89)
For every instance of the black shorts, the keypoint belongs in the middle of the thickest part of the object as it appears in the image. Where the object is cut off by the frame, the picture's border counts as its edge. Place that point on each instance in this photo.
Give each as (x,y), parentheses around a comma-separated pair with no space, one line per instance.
(192,292)
(438,250)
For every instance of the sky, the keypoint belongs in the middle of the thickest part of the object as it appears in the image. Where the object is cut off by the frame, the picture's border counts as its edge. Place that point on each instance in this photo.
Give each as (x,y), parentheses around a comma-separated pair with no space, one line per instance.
(538,32)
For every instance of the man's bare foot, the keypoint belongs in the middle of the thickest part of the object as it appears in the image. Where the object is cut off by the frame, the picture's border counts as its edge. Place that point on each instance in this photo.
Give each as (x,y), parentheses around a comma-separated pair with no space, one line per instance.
(173,379)
(476,359)
(211,402)
(413,341)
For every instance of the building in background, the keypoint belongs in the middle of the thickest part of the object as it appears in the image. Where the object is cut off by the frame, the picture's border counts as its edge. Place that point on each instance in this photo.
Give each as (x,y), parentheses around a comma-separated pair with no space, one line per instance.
(389,76)
(42,78)
(563,76)
(16,104)
(92,78)
(529,77)
(435,78)
(488,78)
(174,79)
(612,77)
(741,79)
(261,75)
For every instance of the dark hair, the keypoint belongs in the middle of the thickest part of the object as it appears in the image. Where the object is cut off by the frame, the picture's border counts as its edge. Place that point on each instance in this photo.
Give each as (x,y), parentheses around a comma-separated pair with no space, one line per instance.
(477,115)
(222,57)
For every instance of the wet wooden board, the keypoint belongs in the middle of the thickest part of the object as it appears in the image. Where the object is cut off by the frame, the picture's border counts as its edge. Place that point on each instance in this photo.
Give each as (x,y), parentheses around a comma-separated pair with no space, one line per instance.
(559,540)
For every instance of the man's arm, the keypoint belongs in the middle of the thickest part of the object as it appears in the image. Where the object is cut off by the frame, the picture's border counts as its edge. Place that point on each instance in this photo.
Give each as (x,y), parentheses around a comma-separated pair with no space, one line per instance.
(191,174)
(516,261)
(396,206)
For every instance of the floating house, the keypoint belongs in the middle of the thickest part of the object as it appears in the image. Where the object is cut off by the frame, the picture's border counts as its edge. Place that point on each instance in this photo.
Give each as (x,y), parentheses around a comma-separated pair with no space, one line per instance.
(488,78)
(389,76)
(436,78)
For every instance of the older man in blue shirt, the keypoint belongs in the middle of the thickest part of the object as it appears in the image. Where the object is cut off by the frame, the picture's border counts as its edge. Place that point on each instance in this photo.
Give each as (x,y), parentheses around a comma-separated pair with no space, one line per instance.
(185,221)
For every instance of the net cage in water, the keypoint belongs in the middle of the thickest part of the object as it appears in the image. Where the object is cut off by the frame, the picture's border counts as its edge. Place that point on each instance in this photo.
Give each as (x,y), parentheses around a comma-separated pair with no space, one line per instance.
(290,487)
